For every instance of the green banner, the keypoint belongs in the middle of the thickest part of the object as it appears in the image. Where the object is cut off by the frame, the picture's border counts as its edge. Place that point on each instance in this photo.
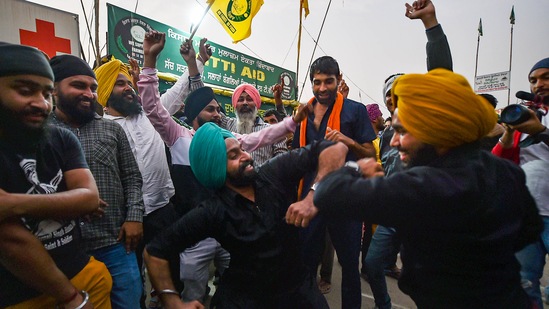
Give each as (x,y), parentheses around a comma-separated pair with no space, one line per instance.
(226,68)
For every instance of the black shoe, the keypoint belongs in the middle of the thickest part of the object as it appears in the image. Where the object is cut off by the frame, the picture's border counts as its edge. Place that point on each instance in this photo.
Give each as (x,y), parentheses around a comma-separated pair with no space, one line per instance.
(393,272)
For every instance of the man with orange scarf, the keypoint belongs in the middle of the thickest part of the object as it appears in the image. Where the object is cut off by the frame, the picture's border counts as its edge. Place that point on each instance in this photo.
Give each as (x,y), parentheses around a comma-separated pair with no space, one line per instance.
(460,211)
(341,120)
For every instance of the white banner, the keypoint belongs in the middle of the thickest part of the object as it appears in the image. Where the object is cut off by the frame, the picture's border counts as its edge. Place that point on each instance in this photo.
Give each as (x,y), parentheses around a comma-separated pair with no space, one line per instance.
(50,30)
(492,82)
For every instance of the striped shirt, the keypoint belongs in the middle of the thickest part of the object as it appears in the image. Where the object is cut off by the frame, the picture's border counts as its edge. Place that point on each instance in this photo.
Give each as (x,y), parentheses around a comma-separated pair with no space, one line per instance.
(117,175)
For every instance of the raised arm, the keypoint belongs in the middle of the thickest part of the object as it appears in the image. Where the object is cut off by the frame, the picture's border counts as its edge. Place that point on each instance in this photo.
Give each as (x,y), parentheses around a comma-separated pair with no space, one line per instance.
(160,118)
(438,50)
(191,79)
(277,95)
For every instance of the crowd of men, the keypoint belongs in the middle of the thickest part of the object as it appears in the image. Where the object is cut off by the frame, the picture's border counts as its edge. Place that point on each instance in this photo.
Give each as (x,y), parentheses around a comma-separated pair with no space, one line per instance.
(101,181)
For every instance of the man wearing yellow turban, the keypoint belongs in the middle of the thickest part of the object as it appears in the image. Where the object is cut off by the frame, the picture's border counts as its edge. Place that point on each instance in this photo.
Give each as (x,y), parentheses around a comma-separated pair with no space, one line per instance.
(107,74)
(460,211)
(440,108)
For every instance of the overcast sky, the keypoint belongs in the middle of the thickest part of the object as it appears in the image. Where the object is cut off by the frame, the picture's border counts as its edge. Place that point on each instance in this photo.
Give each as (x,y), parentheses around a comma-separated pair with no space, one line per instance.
(371,39)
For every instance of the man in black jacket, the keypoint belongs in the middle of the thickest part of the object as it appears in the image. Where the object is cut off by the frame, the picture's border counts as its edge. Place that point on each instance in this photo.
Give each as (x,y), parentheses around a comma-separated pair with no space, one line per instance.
(461,212)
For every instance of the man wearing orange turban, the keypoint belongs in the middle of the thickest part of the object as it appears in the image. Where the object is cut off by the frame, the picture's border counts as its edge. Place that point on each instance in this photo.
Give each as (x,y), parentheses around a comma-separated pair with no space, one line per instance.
(461,212)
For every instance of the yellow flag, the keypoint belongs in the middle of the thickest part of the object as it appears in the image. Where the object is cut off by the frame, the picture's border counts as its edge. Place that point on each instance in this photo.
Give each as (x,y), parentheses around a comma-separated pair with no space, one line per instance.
(236,16)
(305,6)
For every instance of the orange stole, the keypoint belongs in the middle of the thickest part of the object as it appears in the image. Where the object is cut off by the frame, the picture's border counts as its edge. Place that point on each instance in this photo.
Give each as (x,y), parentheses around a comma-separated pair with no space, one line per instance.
(334,123)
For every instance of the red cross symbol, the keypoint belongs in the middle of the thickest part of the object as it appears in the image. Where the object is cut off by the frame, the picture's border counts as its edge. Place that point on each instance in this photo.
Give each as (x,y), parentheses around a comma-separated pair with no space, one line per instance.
(44,39)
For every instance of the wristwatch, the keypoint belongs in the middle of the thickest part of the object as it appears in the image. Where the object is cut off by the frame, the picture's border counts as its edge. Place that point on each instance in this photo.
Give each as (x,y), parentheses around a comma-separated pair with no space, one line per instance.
(353,165)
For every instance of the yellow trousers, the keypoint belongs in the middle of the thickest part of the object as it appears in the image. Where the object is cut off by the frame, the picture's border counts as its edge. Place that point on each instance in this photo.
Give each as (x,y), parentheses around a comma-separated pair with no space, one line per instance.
(94,279)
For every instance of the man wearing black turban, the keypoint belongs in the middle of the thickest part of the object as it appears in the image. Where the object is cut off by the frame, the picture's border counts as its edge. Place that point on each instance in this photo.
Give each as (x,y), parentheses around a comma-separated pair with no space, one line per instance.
(45,186)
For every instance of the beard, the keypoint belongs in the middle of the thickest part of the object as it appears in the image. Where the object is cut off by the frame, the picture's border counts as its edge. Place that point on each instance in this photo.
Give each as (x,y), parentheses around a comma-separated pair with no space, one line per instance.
(15,131)
(332,95)
(424,155)
(125,106)
(380,125)
(71,107)
(245,120)
(202,121)
(241,178)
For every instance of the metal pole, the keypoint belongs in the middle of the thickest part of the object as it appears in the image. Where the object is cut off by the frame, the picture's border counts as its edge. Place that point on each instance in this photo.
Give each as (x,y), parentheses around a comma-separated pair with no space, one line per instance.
(201,19)
(97,47)
(510,62)
(476,58)
(298,47)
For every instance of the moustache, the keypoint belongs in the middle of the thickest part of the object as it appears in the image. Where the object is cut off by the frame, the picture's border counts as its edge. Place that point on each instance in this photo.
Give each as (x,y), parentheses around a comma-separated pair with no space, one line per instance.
(246,109)
(82,98)
(33,110)
(245,165)
(129,92)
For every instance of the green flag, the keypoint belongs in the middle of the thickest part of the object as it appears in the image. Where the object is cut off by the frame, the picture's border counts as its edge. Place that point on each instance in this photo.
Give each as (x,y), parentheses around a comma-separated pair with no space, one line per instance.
(480,27)
(512,17)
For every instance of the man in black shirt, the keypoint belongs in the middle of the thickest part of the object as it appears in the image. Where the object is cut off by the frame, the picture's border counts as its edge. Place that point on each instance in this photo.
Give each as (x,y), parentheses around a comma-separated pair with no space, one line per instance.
(45,186)
(249,216)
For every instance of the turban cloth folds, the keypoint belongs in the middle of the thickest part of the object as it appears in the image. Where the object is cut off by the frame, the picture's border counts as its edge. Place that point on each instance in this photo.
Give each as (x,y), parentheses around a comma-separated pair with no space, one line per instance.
(197,101)
(20,59)
(249,89)
(440,108)
(106,78)
(64,66)
(208,155)
(373,112)
(542,64)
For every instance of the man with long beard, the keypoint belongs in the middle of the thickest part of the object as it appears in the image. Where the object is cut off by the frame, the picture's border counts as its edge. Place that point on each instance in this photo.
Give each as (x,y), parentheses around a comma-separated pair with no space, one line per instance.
(45,186)
(461,212)
(246,101)
(113,238)
(250,214)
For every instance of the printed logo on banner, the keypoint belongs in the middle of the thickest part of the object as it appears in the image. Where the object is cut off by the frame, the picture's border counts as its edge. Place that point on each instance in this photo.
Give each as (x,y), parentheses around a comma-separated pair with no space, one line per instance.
(129,35)
(239,10)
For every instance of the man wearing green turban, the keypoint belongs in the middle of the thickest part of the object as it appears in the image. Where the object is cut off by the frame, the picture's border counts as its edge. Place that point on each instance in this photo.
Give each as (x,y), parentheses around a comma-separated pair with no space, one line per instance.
(461,212)
(252,216)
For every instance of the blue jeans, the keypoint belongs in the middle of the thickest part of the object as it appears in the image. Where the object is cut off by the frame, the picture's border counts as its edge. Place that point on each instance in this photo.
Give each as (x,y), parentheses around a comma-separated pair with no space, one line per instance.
(345,237)
(382,252)
(532,261)
(126,277)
